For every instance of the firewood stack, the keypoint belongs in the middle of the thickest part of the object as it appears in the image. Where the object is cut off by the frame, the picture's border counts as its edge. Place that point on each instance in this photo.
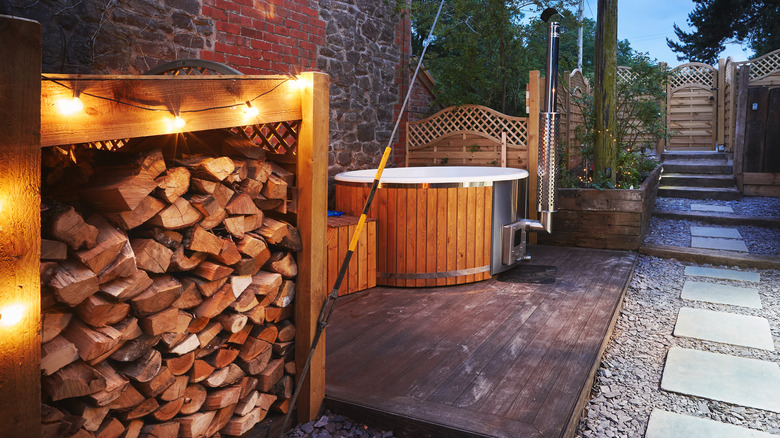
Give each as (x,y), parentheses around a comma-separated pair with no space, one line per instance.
(166,294)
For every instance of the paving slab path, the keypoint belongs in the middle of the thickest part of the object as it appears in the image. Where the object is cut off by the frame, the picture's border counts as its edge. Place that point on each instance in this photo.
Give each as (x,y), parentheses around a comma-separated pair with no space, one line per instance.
(727,328)
(721,294)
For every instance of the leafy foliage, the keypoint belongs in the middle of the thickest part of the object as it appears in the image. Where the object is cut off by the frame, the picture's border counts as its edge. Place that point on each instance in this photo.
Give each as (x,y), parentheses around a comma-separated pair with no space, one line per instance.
(716,22)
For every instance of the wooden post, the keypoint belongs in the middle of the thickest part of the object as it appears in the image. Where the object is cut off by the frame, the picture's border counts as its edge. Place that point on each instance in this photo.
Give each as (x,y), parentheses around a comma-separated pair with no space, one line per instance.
(740,116)
(534,104)
(312,181)
(715,111)
(20,226)
(605,90)
(720,118)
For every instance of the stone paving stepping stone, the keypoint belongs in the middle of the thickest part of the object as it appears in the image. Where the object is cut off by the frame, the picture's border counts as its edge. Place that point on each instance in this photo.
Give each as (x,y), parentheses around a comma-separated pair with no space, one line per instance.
(748,382)
(665,424)
(719,244)
(722,274)
(705,207)
(726,233)
(721,294)
(726,328)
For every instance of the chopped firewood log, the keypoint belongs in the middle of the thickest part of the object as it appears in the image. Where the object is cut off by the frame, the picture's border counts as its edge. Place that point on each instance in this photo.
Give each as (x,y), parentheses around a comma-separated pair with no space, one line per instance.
(239,174)
(183,321)
(176,390)
(91,343)
(273,314)
(247,403)
(253,246)
(282,263)
(222,398)
(67,226)
(73,282)
(208,288)
(57,353)
(242,204)
(145,408)
(247,385)
(99,359)
(256,314)
(241,424)
(73,380)
(127,288)
(217,378)
(272,231)
(181,262)
(274,188)
(173,183)
(160,322)
(214,220)
(157,384)
(98,311)
(232,322)
(110,428)
(206,204)
(179,365)
(210,332)
(253,222)
(53,250)
(172,339)
(117,190)
(170,238)
(286,331)
(222,357)
(289,368)
(178,215)
(47,271)
(168,410)
(284,174)
(235,375)
(200,371)
(267,284)
(250,187)
(245,302)
(258,363)
(107,246)
(93,415)
(201,240)
(53,323)
(145,210)
(212,271)
(194,397)
(247,266)
(151,255)
(211,169)
(116,384)
(189,344)
(266,204)
(284,387)
(253,347)
(270,375)
(222,194)
(198,324)
(215,304)
(265,401)
(215,344)
(195,425)
(281,406)
(129,399)
(129,328)
(163,292)
(203,186)
(229,253)
(122,266)
(240,336)
(190,296)
(135,348)
(133,429)
(258,170)
(282,349)
(240,283)
(143,369)
(286,294)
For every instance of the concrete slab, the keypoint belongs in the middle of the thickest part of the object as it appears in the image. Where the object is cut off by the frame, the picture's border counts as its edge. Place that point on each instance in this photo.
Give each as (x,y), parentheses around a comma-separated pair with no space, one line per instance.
(665,424)
(722,274)
(705,207)
(748,382)
(726,233)
(719,244)
(721,294)
(723,327)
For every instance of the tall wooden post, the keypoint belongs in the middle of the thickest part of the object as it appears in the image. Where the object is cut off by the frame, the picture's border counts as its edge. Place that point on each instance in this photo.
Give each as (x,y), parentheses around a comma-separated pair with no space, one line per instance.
(311,287)
(720,117)
(740,117)
(20,226)
(605,90)
(534,103)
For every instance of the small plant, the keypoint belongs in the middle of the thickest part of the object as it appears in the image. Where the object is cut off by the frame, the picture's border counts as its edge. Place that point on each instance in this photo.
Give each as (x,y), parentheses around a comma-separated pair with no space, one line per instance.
(474,148)
(444,160)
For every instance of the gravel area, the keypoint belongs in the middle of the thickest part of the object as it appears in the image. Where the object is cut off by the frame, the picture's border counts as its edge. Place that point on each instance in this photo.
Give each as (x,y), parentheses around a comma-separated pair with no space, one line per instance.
(333,425)
(747,206)
(627,385)
(672,232)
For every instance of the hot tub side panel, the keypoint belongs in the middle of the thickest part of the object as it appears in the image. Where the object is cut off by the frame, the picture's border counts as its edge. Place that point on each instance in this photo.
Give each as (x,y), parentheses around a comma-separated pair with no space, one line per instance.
(427,236)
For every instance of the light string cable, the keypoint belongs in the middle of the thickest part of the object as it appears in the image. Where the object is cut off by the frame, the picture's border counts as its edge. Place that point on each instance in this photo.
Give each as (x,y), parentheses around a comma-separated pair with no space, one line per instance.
(166,110)
(330,302)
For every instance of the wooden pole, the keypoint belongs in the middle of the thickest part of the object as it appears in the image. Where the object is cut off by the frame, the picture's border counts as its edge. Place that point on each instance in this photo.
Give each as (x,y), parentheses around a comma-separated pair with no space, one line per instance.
(741,119)
(534,107)
(605,89)
(312,180)
(721,114)
(20,226)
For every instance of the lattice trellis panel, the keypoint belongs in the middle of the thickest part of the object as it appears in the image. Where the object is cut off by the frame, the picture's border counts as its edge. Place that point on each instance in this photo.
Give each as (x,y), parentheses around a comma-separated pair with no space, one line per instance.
(279,138)
(624,74)
(694,73)
(765,65)
(468,118)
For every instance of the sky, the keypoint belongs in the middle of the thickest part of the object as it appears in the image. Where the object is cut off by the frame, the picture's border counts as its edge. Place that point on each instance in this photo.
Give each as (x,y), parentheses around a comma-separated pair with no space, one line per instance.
(647,23)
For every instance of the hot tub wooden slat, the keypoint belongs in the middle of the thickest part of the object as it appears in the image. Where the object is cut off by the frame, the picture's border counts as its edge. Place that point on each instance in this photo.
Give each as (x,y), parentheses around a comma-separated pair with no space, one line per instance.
(392,235)
(430,246)
(461,227)
(471,230)
(452,237)
(488,229)
(411,235)
(479,228)
(422,233)
(441,234)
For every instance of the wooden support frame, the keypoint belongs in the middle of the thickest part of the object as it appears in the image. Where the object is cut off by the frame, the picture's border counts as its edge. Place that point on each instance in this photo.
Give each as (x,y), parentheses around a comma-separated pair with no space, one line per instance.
(534,107)
(740,117)
(20,229)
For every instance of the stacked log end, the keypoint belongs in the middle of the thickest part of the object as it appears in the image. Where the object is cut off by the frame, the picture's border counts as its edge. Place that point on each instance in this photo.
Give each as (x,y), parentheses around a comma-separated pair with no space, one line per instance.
(167,295)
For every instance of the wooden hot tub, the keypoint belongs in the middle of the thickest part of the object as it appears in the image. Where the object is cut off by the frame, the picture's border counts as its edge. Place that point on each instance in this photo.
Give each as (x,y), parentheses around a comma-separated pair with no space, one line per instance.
(436,226)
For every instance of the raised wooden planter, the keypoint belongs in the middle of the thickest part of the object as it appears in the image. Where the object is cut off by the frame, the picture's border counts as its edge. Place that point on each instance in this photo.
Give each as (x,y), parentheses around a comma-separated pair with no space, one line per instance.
(606,219)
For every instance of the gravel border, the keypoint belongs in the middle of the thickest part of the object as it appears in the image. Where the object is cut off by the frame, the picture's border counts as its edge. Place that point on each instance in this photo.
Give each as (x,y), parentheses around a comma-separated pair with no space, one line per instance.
(747,206)
(674,232)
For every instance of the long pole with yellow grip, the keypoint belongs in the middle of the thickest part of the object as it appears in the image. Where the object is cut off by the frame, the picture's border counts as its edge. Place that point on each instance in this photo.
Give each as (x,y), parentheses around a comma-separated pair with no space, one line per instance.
(330,302)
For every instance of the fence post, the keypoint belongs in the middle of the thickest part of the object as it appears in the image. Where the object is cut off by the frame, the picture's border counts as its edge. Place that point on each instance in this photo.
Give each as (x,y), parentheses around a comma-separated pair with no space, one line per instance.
(720,120)
(534,85)
(740,117)
(20,227)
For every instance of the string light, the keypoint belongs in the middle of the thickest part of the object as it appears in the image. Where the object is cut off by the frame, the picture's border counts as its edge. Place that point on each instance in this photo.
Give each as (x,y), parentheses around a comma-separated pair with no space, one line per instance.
(11,315)
(178,122)
(251,111)
(69,107)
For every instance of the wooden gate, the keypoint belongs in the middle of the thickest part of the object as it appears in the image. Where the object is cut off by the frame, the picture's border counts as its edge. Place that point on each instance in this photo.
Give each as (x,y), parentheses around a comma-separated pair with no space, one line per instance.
(691,108)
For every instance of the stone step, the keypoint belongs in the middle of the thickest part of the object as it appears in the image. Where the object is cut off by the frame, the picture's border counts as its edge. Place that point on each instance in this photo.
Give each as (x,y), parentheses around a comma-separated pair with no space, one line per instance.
(691,156)
(697,180)
(725,328)
(700,167)
(721,294)
(664,424)
(720,193)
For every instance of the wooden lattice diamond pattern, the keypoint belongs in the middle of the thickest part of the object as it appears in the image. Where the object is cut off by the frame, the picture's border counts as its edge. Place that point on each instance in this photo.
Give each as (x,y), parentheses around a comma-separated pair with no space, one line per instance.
(624,74)
(467,118)
(765,65)
(692,74)
(279,138)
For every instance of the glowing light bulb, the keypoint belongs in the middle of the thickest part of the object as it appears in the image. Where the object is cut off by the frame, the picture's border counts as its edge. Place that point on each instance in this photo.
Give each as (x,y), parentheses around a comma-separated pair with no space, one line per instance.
(11,315)
(301,83)
(251,111)
(178,122)
(68,107)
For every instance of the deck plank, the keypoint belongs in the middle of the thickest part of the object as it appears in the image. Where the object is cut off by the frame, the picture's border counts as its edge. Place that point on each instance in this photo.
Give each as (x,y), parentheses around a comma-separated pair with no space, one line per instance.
(482,359)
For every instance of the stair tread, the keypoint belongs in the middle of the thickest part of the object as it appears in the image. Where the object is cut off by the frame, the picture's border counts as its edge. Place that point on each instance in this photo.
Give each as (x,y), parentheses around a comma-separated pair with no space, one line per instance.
(696,162)
(698,175)
(699,189)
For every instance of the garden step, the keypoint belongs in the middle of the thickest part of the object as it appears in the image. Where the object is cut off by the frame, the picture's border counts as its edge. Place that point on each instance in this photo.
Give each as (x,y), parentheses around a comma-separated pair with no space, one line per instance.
(720,193)
(697,180)
(697,166)
(692,156)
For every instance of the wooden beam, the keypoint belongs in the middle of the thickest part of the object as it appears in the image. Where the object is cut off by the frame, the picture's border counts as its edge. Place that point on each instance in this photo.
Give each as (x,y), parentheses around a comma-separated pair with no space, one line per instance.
(721,114)
(534,103)
(20,226)
(740,116)
(163,96)
(312,177)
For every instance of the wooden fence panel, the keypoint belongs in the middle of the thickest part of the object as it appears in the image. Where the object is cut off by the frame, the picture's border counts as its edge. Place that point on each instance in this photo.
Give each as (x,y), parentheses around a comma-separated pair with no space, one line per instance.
(691,109)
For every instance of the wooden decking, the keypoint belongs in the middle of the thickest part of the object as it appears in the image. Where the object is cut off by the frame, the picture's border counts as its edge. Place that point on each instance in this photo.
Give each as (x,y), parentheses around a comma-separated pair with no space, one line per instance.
(486,359)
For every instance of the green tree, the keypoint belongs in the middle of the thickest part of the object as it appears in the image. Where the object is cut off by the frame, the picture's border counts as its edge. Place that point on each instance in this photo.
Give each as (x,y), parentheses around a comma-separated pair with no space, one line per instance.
(716,22)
